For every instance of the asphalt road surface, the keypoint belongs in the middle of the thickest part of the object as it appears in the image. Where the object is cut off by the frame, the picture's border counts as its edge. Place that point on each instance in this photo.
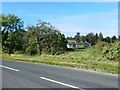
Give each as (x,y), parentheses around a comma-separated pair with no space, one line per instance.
(28,75)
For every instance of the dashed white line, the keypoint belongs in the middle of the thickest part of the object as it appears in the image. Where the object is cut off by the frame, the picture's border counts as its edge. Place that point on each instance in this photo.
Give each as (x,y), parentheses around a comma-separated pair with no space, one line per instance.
(59,82)
(9,68)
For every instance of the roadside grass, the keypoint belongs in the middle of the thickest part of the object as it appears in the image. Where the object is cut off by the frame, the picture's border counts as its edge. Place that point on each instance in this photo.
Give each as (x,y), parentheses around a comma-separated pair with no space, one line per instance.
(81,59)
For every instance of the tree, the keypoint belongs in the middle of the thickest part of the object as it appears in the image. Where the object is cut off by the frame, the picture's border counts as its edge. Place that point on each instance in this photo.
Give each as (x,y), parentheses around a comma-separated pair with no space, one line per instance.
(119,38)
(32,47)
(11,23)
(99,44)
(100,37)
(44,38)
(11,28)
(113,39)
(107,39)
(70,38)
(77,37)
(15,42)
(82,38)
(96,38)
(90,38)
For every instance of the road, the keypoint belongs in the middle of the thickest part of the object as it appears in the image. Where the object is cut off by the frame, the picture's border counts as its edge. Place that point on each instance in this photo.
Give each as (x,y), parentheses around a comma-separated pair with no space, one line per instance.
(28,75)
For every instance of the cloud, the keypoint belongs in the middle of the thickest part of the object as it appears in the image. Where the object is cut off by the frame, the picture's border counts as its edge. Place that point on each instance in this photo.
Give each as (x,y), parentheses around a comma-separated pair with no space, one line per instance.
(107,23)
(70,30)
(93,17)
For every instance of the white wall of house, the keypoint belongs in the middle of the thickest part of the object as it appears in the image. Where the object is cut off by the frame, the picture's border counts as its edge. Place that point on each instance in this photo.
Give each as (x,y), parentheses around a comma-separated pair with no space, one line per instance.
(68,46)
(72,46)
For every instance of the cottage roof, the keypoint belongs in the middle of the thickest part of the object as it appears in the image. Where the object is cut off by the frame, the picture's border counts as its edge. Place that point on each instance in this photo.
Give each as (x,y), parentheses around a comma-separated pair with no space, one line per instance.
(72,43)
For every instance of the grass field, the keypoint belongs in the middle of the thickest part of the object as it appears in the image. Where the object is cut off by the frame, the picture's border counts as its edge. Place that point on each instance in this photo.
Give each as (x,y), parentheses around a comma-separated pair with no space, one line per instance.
(81,59)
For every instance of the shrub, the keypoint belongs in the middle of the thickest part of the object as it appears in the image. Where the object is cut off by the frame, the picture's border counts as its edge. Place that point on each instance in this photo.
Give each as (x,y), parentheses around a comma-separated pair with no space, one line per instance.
(112,53)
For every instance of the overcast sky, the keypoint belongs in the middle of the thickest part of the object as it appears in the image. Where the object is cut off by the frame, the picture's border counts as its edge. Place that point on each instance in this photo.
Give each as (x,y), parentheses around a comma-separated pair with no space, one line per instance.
(69,17)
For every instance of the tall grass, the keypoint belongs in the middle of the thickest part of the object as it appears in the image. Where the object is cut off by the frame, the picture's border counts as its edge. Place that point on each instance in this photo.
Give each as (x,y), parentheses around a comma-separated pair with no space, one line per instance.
(81,59)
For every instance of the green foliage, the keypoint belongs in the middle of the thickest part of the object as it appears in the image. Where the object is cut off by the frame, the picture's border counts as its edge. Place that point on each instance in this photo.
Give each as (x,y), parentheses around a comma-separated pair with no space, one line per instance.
(77,37)
(81,47)
(113,39)
(11,22)
(44,38)
(32,49)
(113,52)
(14,42)
(107,39)
(12,33)
(100,37)
(41,38)
(108,50)
(90,38)
(99,45)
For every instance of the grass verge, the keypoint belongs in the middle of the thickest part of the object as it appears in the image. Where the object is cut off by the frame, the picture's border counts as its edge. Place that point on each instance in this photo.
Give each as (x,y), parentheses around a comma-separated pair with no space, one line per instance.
(82,59)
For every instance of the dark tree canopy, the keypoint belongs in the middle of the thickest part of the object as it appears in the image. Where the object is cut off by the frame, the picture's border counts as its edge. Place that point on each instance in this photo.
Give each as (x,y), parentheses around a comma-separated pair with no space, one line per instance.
(107,39)
(90,38)
(113,39)
(100,37)
(11,23)
(44,38)
(77,37)
(12,33)
(39,38)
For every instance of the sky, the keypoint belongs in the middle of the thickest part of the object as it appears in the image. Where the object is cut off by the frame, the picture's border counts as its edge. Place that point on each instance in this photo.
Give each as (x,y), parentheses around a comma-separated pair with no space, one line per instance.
(68,17)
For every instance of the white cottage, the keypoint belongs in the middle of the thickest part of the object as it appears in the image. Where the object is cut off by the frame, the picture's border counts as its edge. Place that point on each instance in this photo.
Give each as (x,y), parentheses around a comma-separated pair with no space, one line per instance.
(76,45)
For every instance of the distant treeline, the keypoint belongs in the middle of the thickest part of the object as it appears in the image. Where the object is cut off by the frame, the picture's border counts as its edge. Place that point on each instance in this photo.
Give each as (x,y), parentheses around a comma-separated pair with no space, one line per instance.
(39,38)
(92,38)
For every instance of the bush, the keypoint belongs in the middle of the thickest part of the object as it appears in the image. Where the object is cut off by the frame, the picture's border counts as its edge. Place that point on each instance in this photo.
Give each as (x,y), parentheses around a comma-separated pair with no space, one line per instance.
(32,49)
(99,45)
(19,52)
(81,47)
(113,52)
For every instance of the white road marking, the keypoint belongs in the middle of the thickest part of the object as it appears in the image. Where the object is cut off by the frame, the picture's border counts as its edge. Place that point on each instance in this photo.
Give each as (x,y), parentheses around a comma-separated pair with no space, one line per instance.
(9,68)
(59,82)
